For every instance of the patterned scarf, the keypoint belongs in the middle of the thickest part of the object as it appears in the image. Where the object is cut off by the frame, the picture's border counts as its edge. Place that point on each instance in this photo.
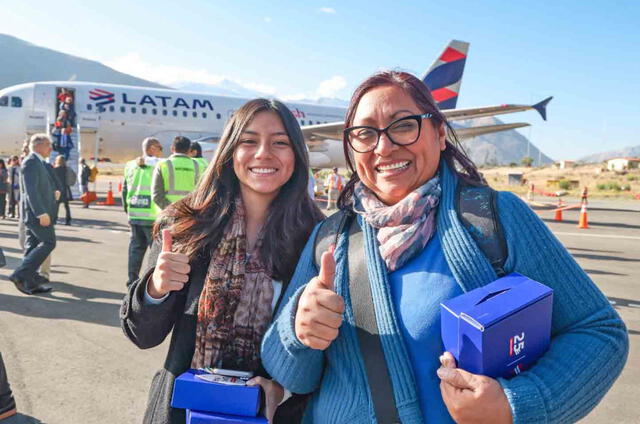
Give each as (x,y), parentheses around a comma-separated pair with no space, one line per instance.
(404,228)
(234,310)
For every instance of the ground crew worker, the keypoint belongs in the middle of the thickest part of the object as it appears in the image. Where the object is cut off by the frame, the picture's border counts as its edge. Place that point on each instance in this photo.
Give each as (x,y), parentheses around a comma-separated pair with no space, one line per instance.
(176,176)
(196,154)
(142,212)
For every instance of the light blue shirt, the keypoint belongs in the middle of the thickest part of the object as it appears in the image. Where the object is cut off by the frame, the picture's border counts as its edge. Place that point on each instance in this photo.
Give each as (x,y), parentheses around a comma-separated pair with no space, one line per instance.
(417,290)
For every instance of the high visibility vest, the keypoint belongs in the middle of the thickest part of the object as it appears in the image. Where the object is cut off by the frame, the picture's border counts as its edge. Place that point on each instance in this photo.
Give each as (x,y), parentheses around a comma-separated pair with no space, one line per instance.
(139,203)
(180,175)
(203,164)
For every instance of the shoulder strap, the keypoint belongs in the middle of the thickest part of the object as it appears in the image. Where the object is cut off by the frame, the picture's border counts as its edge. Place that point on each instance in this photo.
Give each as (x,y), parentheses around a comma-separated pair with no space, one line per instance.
(364,314)
(477,209)
(328,234)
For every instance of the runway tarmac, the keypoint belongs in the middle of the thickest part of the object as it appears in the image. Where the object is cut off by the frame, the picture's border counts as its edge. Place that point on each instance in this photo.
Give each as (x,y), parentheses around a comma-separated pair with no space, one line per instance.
(69,362)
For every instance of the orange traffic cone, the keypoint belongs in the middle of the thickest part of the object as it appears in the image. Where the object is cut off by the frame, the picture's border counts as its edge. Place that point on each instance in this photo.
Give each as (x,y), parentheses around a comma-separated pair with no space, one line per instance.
(119,186)
(558,216)
(110,201)
(583,217)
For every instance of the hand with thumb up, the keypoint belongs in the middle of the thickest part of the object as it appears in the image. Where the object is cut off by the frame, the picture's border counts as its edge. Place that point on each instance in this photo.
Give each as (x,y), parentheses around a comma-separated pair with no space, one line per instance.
(320,309)
(172,270)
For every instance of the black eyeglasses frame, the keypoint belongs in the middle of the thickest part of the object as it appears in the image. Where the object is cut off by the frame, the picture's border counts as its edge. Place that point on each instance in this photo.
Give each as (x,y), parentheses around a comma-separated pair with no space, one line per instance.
(417,118)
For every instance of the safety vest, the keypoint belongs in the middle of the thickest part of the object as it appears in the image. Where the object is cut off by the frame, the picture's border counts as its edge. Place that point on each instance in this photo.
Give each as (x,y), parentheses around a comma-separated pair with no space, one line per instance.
(180,175)
(203,164)
(139,203)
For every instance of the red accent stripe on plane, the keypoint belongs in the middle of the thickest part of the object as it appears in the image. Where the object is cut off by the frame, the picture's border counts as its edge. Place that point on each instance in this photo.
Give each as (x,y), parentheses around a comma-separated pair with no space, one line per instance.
(442,94)
(511,347)
(451,54)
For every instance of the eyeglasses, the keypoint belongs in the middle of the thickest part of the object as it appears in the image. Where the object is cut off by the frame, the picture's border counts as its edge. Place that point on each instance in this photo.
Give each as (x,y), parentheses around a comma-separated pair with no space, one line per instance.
(402,132)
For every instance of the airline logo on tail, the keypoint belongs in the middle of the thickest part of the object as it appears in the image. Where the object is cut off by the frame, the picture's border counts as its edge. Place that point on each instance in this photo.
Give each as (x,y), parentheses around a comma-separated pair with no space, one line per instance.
(101,97)
(445,75)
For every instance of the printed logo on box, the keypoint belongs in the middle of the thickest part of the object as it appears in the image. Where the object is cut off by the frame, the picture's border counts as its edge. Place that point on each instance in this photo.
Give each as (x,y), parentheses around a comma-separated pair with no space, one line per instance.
(516,344)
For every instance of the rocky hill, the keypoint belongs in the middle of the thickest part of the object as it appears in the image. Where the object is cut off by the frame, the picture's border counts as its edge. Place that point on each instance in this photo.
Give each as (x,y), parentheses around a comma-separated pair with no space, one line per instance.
(631,151)
(25,62)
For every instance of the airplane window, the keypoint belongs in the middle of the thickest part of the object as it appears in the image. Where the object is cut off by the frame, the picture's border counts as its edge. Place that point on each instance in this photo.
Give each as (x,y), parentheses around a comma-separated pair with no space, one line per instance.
(184,113)
(175,113)
(317,122)
(89,107)
(218,116)
(164,112)
(133,110)
(204,114)
(112,108)
(302,122)
(154,111)
(144,110)
(194,114)
(123,109)
(100,109)
(4,101)
(16,101)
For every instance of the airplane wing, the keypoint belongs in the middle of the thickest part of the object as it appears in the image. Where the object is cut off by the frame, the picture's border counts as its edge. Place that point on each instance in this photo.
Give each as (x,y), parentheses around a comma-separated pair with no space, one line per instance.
(465,133)
(314,134)
(478,112)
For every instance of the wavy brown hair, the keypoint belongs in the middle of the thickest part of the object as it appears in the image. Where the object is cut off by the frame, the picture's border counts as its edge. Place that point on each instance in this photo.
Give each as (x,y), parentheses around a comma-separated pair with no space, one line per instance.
(454,154)
(198,221)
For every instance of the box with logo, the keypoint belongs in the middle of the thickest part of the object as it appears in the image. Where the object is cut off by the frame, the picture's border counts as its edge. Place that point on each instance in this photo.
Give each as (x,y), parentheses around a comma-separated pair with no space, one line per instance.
(500,329)
(199,417)
(191,392)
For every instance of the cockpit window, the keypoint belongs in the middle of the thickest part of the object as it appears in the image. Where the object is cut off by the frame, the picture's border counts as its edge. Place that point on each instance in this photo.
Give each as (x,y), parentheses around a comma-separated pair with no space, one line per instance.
(4,101)
(16,101)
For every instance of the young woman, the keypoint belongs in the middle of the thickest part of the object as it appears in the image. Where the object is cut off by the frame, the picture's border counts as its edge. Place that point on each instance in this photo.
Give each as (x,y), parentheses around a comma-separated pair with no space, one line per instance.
(229,250)
(416,254)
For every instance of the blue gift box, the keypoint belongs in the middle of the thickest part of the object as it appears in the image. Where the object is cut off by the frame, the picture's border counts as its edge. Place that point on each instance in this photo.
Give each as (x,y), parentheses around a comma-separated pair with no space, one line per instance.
(500,329)
(198,417)
(190,392)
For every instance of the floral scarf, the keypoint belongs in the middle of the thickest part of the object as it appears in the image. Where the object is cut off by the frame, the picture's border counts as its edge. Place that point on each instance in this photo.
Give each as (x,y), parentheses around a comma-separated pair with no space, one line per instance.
(234,309)
(404,228)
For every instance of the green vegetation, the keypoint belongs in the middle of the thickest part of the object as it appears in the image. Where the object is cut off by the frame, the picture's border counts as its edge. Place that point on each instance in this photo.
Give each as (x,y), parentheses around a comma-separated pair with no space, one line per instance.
(611,185)
(527,161)
(564,184)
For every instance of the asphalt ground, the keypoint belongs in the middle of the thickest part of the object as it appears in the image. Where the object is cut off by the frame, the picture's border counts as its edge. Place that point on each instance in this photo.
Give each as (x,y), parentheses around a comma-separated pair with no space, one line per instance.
(69,362)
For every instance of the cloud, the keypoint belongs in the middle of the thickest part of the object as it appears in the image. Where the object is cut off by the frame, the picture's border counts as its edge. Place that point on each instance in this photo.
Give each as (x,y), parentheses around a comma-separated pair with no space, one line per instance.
(329,10)
(330,87)
(132,63)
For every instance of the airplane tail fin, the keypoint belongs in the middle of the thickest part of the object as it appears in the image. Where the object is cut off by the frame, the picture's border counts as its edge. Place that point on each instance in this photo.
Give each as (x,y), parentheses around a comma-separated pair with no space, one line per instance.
(445,75)
(542,107)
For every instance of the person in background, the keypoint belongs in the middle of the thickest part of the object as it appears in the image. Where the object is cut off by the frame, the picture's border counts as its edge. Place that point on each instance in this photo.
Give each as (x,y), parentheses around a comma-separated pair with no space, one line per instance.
(195,153)
(14,185)
(228,251)
(4,185)
(176,176)
(63,174)
(85,173)
(142,212)
(38,208)
(411,251)
(333,186)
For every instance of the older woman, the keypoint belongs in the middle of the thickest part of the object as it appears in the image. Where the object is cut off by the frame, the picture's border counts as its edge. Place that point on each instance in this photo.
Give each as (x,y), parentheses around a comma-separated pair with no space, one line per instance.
(415,253)
(229,250)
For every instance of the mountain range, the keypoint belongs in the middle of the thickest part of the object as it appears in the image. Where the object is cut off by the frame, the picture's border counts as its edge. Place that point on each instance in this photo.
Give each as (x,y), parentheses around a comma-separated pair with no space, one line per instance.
(631,151)
(26,62)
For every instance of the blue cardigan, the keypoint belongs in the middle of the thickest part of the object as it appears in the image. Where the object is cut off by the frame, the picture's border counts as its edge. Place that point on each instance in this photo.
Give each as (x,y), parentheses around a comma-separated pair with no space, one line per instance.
(589,340)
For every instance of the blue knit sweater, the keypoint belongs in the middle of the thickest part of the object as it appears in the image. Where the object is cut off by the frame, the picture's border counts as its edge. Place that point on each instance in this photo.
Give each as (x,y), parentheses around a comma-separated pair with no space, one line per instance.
(589,341)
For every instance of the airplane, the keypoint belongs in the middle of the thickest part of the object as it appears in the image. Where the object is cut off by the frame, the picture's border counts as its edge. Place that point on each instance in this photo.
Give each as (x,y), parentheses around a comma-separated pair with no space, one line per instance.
(112,120)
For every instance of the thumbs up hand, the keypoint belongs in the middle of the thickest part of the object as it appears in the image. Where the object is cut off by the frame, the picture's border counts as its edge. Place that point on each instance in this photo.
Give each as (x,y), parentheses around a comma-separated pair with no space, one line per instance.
(320,309)
(171,272)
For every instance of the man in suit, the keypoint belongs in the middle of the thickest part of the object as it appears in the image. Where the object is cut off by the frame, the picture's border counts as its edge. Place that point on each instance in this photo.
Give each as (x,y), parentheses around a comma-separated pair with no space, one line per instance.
(38,209)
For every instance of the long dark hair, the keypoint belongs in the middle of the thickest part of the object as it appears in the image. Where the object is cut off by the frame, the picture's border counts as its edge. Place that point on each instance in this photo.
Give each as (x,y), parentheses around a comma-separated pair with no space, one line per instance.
(454,154)
(198,221)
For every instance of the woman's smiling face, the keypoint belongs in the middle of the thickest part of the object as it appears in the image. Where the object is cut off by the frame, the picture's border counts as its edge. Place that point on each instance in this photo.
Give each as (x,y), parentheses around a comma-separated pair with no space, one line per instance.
(263,159)
(392,171)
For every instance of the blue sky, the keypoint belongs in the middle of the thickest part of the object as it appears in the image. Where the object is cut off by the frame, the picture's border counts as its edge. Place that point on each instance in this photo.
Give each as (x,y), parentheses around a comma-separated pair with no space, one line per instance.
(585,53)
